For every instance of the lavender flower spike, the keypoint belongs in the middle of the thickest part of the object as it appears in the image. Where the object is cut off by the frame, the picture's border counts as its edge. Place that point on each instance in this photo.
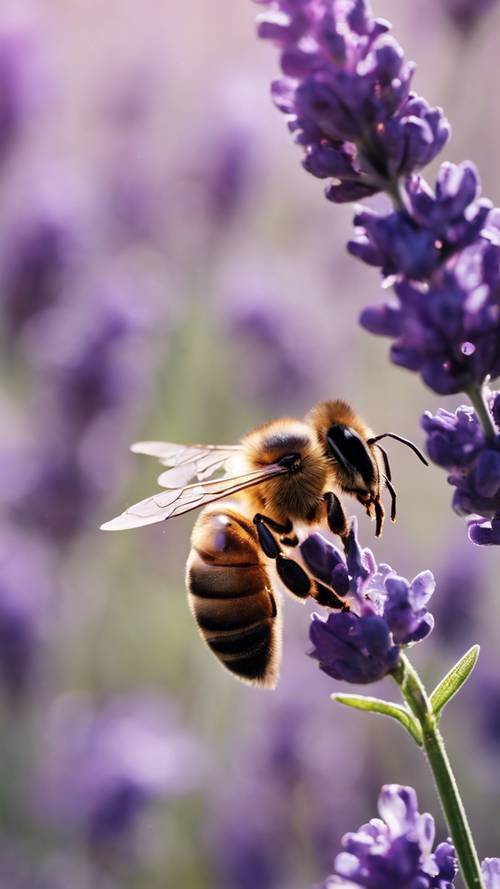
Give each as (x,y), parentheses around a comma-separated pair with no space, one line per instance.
(346,94)
(386,611)
(457,442)
(434,226)
(395,850)
(104,765)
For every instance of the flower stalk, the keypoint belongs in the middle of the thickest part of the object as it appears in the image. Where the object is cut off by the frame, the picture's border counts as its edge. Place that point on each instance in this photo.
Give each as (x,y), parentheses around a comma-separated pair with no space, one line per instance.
(477,398)
(419,703)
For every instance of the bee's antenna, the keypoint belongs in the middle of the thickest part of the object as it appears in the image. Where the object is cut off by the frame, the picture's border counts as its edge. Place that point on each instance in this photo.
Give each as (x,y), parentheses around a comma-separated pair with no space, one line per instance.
(404,441)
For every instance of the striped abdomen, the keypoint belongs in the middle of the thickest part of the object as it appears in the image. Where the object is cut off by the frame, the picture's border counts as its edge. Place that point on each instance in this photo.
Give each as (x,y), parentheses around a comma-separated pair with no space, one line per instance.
(230,595)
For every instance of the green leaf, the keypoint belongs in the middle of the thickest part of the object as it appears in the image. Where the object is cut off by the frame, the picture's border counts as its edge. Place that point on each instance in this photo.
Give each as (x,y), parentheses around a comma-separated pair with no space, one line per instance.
(386,708)
(454,680)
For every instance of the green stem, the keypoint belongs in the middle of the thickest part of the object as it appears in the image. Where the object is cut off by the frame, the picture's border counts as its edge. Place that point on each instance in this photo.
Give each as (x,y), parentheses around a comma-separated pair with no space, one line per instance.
(478,401)
(416,697)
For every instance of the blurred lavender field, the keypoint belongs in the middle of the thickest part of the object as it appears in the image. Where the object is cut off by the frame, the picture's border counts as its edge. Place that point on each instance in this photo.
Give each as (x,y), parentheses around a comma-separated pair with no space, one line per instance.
(168,271)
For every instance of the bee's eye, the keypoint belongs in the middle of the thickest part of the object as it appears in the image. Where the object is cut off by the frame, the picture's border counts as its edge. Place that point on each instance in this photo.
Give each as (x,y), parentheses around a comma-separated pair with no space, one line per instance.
(290,461)
(350,451)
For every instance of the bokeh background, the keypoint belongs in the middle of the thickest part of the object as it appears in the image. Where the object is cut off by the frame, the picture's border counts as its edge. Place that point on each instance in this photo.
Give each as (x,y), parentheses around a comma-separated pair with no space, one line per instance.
(167,270)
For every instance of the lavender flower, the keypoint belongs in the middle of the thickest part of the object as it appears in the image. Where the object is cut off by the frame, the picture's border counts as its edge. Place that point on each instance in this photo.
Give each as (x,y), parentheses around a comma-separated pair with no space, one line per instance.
(227,181)
(457,442)
(441,333)
(255,832)
(395,850)
(386,611)
(27,585)
(104,765)
(19,81)
(432,227)
(346,94)
(55,494)
(91,385)
(36,261)
(490,868)
(465,15)
(461,581)
(268,341)
(94,375)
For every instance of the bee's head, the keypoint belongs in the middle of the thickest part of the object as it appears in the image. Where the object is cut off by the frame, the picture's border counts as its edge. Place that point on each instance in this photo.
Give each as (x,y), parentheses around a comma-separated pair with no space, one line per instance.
(350,452)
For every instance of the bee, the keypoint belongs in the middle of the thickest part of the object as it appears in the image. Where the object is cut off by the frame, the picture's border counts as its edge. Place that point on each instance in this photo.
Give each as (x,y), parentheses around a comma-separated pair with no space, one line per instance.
(283,479)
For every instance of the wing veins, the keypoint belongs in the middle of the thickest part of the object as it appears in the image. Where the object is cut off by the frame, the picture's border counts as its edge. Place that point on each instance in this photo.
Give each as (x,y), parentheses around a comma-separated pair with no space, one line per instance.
(174,505)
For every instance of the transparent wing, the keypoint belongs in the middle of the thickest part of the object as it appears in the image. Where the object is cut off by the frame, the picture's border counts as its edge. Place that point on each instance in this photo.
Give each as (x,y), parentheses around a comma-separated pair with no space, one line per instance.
(177,501)
(187,461)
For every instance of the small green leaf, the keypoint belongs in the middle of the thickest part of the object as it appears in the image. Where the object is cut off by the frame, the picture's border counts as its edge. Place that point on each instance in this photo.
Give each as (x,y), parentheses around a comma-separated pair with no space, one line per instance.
(454,680)
(386,708)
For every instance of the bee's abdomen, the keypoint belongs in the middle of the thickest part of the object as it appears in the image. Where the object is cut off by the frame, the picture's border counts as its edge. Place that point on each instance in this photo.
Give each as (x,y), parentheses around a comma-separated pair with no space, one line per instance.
(230,595)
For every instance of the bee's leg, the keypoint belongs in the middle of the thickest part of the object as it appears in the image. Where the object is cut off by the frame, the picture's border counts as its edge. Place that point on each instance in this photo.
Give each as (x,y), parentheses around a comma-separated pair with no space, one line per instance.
(392,492)
(292,575)
(379,517)
(280,527)
(290,572)
(325,595)
(267,540)
(336,517)
(291,540)
(367,502)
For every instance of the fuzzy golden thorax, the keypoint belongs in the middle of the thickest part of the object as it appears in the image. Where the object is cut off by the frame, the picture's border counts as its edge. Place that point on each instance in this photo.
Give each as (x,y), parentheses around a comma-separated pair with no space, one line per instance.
(297,495)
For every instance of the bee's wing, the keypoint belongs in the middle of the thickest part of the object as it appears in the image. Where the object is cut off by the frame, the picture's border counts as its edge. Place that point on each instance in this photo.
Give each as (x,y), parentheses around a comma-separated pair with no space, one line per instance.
(177,501)
(187,461)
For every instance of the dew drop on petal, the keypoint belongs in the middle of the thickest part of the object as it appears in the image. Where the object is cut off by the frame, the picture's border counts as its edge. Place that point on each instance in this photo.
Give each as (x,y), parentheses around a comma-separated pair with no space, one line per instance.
(468,349)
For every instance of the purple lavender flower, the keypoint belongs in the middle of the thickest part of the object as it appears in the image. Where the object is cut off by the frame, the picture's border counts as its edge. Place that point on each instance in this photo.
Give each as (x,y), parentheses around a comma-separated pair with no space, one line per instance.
(56,492)
(35,263)
(490,868)
(87,359)
(457,442)
(466,14)
(18,86)
(461,580)
(227,182)
(442,331)
(94,373)
(268,347)
(486,705)
(395,850)
(431,228)
(346,94)
(104,765)
(386,611)
(27,586)
(255,832)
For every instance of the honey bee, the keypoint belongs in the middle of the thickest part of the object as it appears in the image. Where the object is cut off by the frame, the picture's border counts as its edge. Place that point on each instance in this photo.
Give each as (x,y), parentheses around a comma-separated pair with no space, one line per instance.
(282,480)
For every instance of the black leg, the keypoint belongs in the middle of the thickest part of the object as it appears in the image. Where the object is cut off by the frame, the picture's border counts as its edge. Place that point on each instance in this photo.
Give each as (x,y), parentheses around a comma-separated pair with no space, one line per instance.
(379,518)
(392,492)
(324,595)
(293,576)
(267,540)
(285,528)
(290,572)
(336,517)
(290,541)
